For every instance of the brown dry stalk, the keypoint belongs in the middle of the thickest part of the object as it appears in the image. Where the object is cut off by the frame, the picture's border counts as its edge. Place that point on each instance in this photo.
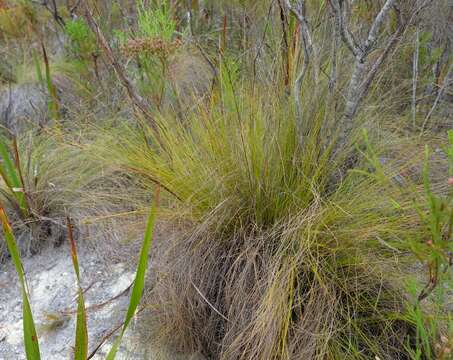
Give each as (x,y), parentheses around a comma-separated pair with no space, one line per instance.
(97,306)
(155,46)
(136,99)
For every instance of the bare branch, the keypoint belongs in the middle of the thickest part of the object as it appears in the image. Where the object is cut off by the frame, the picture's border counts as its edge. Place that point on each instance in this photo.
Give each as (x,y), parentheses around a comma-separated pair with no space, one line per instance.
(137,100)
(299,13)
(333,73)
(74,8)
(391,42)
(53,9)
(447,82)
(296,12)
(346,35)
(416,57)
(380,60)
(307,44)
(365,71)
(377,24)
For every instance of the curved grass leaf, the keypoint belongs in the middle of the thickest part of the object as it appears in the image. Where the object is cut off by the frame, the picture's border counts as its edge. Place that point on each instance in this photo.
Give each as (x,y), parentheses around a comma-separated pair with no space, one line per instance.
(37,67)
(139,281)
(9,173)
(30,336)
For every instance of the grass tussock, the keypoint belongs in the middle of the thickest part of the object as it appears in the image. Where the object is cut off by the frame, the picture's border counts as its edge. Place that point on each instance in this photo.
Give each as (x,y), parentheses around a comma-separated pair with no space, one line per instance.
(292,166)
(51,179)
(277,260)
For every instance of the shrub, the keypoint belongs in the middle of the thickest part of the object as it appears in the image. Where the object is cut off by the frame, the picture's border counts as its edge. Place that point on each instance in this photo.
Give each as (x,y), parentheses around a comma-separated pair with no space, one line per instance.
(82,39)
(151,47)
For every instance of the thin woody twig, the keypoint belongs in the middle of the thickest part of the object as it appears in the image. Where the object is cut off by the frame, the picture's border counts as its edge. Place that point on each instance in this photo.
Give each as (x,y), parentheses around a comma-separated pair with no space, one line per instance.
(365,70)
(100,305)
(307,44)
(377,24)
(440,93)
(136,99)
(346,35)
(415,76)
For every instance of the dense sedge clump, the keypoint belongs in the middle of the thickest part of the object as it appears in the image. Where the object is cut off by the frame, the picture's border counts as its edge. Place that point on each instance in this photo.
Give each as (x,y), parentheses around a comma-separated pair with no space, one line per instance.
(278,257)
(50,177)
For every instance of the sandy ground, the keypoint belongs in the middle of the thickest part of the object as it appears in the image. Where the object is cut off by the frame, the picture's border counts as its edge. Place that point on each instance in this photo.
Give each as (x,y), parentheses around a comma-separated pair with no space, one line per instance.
(53,297)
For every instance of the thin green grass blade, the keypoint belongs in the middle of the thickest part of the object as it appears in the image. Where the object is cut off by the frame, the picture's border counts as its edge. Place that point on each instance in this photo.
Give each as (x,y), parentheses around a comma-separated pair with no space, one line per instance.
(81,336)
(450,151)
(20,192)
(4,176)
(30,336)
(9,173)
(37,67)
(53,101)
(81,342)
(139,281)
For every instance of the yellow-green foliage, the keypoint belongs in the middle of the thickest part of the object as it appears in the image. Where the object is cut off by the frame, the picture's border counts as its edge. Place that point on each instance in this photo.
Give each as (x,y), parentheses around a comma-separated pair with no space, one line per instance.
(54,172)
(231,158)
(312,253)
(285,251)
(83,42)
(17,21)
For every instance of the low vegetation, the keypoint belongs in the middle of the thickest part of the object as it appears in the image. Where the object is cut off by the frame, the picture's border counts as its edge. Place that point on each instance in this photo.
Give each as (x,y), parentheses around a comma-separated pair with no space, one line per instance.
(304,150)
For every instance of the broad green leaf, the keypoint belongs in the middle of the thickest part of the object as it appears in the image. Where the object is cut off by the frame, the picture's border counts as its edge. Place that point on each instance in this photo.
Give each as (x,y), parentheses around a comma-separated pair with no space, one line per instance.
(30,336)
(139,281)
